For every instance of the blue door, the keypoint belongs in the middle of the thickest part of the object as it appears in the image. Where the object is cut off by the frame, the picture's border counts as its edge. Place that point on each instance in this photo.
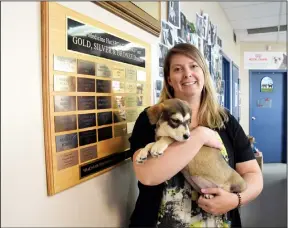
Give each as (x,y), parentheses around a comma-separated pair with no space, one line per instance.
(235,92)
(268,114)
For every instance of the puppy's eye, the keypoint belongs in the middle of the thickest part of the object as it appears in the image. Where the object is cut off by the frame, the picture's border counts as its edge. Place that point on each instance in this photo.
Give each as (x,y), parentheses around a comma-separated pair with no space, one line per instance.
(175,121)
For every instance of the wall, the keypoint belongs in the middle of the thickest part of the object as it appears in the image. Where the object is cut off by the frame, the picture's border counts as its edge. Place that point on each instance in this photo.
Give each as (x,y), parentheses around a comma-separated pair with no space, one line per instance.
(103,201)
(244,75)
(106,200)
(218,17)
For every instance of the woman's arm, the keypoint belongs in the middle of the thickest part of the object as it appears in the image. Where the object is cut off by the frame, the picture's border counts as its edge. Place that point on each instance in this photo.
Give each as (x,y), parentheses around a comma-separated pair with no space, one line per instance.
(155,171)
(252,174)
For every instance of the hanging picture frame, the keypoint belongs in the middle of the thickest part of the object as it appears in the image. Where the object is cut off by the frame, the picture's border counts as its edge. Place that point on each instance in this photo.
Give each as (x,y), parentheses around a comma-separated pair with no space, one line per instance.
(266,85)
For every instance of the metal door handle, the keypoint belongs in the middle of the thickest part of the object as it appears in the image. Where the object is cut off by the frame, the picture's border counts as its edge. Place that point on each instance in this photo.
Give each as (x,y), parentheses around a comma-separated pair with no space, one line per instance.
(253,118)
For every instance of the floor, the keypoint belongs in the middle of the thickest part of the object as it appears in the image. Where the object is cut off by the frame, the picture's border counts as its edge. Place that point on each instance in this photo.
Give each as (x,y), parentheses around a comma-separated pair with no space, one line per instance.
(270,208)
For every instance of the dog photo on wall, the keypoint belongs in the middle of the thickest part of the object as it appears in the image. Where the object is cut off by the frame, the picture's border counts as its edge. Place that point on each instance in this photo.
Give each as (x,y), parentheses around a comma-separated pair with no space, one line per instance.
(174,13)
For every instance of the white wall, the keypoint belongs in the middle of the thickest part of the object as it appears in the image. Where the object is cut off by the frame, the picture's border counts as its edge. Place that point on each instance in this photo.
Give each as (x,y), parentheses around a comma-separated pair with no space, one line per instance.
(106,200)
(244,75)
(102,201)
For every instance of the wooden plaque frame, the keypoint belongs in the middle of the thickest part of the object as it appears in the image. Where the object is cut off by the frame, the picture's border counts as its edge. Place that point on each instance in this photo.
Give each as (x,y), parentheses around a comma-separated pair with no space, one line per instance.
(54,43)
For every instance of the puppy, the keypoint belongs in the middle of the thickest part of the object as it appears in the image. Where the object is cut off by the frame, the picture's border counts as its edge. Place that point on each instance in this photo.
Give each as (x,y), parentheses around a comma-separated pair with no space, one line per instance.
(208,168)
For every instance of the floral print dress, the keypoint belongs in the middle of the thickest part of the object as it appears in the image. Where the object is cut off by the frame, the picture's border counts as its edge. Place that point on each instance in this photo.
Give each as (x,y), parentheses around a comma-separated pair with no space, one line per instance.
(179,208)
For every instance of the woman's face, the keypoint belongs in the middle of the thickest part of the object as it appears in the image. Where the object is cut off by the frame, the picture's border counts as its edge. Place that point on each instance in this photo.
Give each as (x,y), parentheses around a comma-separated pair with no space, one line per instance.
(186,77)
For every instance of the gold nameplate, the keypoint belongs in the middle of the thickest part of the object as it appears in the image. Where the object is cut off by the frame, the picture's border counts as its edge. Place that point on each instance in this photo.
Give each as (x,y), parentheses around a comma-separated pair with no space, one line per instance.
(130,87)
(64,64)
(119,73)
(131,101)
(63,83)
(103,70)
(131,74)
(65,123)
(67,160)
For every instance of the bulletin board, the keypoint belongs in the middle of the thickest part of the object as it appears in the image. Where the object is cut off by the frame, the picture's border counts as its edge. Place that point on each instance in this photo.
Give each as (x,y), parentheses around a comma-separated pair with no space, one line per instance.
(96,81)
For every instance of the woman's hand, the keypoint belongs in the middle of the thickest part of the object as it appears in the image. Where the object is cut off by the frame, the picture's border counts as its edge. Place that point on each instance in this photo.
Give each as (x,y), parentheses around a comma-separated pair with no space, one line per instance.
(209,137)
(222,202)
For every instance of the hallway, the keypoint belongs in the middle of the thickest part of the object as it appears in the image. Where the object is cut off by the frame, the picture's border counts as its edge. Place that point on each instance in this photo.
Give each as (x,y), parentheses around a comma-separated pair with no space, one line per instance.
(270,208)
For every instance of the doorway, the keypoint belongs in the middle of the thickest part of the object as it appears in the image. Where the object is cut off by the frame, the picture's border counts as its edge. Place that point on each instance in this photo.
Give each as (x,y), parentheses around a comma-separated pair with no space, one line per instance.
(226,66)
(268,113)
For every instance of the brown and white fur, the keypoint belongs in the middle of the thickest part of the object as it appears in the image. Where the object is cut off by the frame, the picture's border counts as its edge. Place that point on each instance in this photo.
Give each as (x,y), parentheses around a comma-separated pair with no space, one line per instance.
(208,168)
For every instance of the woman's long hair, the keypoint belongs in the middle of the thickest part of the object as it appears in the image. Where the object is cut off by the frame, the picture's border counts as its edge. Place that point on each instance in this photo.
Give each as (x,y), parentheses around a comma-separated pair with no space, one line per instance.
(210,113)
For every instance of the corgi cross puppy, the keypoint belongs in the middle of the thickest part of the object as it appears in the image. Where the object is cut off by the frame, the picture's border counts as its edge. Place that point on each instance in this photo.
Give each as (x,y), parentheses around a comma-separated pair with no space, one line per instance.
(172,120)
(208,169)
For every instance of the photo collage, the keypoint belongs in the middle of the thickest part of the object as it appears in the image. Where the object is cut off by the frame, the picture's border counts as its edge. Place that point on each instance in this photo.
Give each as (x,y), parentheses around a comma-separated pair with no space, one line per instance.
(202,34)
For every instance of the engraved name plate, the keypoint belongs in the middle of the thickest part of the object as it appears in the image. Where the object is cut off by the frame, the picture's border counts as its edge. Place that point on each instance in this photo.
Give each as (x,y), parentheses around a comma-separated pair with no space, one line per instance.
(66,142)
(103,102)
(119,72)
(131,101)
(103,70)
(88,153)
(131,115)
(103,86)
(118,87)
(64,103)
(131,74)
(64,64)
(120,130)
(119,116)
(85,85)
(85,67)
(86,103)
(100,164)
(130,87)
(104,118)
(87,137)
(86,120)
(65,123)
(67,160)
(64,83)
(141,75)
(104,133)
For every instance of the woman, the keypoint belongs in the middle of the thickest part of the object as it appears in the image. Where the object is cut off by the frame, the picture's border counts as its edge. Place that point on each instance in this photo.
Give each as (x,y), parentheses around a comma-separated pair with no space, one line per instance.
(165,198)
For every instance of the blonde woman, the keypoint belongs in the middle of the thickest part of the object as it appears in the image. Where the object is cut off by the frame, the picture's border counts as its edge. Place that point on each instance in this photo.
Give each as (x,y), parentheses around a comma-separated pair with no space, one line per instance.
(165,198)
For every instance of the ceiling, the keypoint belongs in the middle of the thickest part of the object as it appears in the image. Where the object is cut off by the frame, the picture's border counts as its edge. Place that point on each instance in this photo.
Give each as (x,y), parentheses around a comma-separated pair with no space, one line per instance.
(251,15)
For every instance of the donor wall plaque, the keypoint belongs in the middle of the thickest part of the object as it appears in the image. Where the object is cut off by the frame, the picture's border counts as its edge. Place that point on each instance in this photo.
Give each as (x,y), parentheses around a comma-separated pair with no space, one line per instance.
(86,67)
(64,83)
(86,103)
(85,85)
(66,142)
(66,160)
(103,102)
(94,80)
(103,86)
(64,103)
(65,123)
(86,120)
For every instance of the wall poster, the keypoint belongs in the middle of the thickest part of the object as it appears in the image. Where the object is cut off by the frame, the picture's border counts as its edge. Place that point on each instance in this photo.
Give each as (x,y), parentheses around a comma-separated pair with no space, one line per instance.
(96,81)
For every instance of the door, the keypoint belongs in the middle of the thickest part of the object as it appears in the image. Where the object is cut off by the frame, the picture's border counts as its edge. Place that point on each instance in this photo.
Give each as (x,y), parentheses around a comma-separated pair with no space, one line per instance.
(235,92)
(226,78)
(268,114)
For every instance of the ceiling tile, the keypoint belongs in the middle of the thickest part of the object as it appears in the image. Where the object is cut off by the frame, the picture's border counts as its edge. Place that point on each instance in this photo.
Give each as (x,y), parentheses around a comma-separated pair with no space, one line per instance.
(253,11)
(228,5)
(255,23)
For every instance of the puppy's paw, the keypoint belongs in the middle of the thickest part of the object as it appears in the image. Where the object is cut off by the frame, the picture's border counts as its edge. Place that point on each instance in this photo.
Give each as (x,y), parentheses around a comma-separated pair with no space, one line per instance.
(158,149)
(142,156)
(208,196)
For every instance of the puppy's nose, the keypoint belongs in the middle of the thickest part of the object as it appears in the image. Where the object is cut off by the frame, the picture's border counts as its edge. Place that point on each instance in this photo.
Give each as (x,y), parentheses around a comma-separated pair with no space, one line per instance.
(186,136)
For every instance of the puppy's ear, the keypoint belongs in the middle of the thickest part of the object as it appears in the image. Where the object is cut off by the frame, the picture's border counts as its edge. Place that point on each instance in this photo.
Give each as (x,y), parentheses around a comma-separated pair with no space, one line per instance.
(154,112)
